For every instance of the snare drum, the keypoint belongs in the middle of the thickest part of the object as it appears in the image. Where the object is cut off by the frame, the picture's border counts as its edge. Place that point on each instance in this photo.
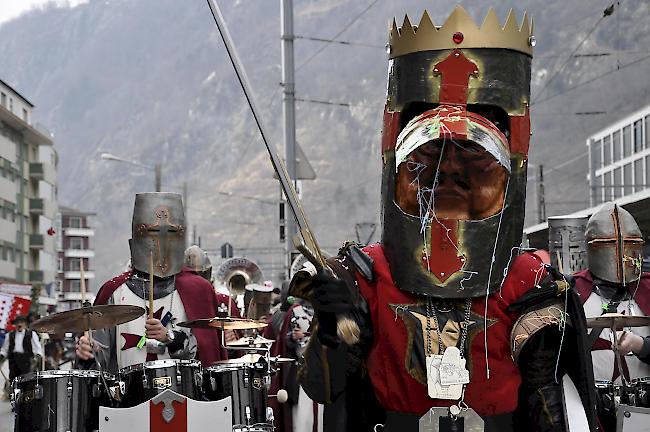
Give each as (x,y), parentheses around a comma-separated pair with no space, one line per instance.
(248,386)
(60,401)
(141,382)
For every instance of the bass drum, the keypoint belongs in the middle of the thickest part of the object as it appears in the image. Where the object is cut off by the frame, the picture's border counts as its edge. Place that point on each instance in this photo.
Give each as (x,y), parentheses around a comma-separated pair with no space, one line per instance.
(248,387)
(141,382)
(60,401)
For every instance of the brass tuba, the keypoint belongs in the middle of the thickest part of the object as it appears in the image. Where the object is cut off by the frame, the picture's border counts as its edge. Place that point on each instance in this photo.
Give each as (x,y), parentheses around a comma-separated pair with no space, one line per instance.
(236,273)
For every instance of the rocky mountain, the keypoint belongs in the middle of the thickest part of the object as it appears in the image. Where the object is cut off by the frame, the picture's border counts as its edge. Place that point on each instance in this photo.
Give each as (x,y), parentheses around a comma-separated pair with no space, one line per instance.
(149,80)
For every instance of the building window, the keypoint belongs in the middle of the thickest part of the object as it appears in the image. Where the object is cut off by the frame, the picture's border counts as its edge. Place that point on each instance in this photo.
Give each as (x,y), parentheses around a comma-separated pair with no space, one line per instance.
(75,285)
(74,222)
(616,183)
(627,179)
(607,186)
(11,104)
(3,99)
(627,141)
(639,183)
(616,146)
(607,150)
(60,265)
(25,115)
(75,264)
(638,136)
(76,243)
(595,154)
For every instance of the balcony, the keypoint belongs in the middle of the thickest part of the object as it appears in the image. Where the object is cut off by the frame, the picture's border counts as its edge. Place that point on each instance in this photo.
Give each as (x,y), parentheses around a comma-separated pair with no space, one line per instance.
(36,276)
(75,296)
(42,206)
(7,190)
(71,274)
(41,242)
(79,253)
(42,171)
(79,232)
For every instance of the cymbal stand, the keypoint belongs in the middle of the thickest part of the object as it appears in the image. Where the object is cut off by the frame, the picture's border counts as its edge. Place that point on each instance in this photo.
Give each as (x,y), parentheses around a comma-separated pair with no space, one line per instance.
(618,358)
(91,340)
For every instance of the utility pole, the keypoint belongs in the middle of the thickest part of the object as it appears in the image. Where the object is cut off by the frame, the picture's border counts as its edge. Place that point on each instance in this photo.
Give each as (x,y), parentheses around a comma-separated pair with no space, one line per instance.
(158,176)
(185,197)
(289,115)
(541,201)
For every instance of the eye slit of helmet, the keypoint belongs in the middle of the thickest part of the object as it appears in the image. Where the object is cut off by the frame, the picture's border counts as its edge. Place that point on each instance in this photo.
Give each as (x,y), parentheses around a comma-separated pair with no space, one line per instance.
(638,240)
(496,115)
(412,110)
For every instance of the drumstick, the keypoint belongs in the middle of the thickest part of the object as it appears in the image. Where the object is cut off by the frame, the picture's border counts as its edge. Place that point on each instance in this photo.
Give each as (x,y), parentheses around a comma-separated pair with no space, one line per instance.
(82,285)
(143,339)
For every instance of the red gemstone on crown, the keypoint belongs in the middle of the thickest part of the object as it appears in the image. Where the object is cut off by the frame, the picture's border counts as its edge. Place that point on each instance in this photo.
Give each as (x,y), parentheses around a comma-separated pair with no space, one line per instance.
(458,37)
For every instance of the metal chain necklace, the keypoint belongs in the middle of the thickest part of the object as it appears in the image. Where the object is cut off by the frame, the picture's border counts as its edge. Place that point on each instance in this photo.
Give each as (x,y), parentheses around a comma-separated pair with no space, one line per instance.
(431,313)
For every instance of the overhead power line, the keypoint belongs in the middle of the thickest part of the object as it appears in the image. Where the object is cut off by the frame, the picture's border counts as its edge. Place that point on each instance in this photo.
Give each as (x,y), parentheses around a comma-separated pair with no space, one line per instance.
(361,44)
(607,12)
(580,84)
(347,26)
(342,104)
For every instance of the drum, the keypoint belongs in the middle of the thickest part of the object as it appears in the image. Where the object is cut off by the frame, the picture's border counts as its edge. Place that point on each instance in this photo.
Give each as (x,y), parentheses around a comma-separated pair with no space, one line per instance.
(139,383)
(608,399)
(248,386)
(60,401)
(643,392)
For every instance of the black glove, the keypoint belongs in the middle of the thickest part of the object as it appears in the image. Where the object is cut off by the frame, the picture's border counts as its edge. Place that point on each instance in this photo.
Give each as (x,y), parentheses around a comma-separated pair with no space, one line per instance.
(330,298)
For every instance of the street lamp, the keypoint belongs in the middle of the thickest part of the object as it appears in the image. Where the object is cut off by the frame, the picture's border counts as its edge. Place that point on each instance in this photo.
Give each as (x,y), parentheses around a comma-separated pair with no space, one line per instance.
(157,167)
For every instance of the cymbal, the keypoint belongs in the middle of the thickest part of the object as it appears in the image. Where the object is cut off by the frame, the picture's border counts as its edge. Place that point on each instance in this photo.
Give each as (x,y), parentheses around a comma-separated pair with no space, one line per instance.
(223,323)
(245,359)
(249,341)
(618,321)
(282,360)
(253,358)
(86,318)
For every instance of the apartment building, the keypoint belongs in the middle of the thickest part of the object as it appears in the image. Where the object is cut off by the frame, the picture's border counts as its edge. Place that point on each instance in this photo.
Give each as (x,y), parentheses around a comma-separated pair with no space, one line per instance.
(619,158)
(28,196)
(74,249)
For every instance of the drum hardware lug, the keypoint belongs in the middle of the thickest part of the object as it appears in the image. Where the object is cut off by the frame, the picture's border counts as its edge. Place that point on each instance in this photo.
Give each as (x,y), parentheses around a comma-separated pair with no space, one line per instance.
(69,388)
(121,389)
(269,414)
(213,383)
(95,391)
(145,382)
(178,377)
(198,380)
(38,391)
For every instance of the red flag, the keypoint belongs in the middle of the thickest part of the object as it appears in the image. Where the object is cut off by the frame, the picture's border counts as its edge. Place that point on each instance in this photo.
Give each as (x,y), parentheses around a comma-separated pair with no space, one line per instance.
(10,307)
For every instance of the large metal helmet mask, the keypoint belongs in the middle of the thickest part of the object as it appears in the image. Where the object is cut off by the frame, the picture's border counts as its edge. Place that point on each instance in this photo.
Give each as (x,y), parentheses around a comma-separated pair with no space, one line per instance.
(158,232)
(614,245)
(455,147)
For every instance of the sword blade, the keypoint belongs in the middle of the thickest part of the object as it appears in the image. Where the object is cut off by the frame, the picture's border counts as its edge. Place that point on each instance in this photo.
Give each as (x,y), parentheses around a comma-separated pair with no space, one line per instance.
(316,256)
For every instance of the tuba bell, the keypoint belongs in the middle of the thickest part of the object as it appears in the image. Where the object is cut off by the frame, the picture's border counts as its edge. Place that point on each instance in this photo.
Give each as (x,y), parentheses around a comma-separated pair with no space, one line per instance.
(236,273)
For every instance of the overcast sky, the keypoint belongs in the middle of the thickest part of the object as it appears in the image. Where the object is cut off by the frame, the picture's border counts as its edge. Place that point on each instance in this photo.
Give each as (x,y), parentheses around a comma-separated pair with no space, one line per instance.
(12,8)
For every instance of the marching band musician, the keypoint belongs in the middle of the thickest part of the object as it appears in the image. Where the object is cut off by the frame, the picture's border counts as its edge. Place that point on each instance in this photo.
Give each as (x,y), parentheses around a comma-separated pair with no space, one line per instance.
(22,347)
(615,283)
(158,236)
(445,319)
(196,261)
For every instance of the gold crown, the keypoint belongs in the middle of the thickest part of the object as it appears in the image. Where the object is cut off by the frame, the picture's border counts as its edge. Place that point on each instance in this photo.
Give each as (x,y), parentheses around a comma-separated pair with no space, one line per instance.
(460,31)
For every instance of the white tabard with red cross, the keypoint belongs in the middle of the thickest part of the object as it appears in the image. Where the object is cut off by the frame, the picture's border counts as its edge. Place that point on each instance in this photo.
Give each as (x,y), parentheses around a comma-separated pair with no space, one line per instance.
(602,354)
(128,334)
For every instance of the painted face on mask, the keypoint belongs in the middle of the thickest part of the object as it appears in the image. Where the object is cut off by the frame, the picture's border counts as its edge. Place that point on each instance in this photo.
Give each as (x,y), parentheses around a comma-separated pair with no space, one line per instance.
(451,180)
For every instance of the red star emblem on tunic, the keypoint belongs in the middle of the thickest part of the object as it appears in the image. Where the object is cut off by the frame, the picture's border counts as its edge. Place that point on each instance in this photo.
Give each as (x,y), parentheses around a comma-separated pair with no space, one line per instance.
(131,340)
